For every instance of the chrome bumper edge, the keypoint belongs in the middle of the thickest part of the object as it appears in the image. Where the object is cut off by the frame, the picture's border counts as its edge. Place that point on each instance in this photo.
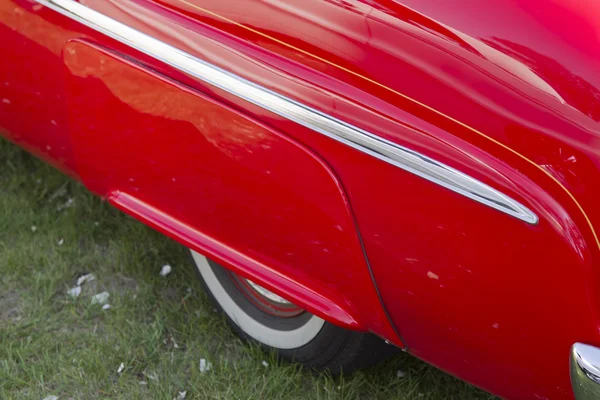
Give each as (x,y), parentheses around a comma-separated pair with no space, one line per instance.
(585,371)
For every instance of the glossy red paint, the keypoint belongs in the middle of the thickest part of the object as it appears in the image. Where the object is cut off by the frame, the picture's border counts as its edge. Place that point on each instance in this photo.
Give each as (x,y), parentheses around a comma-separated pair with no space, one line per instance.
(242,185)
(32,110)
(482,295)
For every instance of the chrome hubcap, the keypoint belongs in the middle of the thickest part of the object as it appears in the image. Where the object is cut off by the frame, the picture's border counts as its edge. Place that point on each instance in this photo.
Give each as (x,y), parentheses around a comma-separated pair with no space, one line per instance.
(267,293)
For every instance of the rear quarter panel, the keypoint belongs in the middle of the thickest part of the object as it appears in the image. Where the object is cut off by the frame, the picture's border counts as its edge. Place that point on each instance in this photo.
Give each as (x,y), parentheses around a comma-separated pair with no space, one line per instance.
(156,147)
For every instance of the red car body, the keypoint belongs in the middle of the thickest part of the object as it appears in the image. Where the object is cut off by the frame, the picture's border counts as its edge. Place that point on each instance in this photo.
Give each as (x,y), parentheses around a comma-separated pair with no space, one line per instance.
(506,92)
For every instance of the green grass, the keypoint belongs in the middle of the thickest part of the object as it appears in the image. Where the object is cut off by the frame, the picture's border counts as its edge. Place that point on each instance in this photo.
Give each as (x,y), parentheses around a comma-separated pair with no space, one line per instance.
(52,344)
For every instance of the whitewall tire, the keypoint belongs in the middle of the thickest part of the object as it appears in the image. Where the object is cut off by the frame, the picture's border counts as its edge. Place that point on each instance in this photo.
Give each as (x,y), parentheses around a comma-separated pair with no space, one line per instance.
(263,317)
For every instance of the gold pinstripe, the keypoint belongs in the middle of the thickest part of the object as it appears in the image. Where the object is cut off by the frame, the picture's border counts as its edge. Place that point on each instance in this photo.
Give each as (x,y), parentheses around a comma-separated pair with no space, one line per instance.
(404,96)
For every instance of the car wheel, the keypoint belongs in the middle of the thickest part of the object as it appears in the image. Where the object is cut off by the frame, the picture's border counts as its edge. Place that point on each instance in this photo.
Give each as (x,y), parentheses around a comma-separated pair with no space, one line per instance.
(260,316)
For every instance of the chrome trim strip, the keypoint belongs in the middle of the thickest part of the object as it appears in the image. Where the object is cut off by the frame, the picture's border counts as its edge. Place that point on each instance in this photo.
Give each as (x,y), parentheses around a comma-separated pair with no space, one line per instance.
(366,142)
(585,371)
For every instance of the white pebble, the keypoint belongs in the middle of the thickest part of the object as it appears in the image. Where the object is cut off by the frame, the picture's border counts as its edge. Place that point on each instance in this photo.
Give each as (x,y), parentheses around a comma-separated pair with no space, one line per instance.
(165,270)
(151,376)
(85,278)
(67,204)
(74,292)
(121,368)
(33,228)
(180,396)
(205,365)
(100,298)
(106,306)
(265,364)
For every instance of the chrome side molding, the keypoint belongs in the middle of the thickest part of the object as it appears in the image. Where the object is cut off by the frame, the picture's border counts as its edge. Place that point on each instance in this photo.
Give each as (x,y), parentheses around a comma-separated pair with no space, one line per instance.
(585,371)
(366,142)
